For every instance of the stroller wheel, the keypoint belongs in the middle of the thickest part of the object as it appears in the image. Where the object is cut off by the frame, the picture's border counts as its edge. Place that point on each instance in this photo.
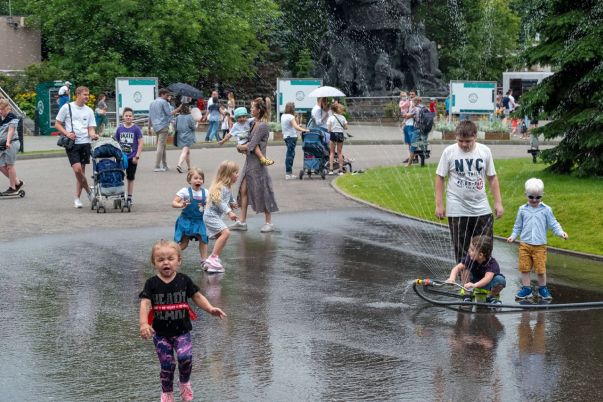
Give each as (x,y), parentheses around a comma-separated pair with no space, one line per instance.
(301,174)
(323,174)
(116,204)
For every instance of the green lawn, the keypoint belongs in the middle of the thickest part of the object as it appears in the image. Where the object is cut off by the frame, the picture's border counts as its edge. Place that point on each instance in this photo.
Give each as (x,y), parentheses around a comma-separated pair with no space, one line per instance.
(575,201)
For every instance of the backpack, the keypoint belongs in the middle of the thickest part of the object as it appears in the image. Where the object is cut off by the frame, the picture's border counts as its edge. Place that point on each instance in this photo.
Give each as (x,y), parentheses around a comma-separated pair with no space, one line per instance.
(20,134)
(505,102)
(425,121)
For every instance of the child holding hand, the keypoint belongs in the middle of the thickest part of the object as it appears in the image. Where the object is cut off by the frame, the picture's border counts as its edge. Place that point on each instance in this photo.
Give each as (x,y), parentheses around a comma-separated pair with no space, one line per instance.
(220,203)
(533,220)
(189,224)
(165,315)
(483,270)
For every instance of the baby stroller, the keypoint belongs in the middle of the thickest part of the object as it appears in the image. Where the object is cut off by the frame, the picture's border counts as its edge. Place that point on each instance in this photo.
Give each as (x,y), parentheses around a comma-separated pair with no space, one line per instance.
(108,176)
(315,154)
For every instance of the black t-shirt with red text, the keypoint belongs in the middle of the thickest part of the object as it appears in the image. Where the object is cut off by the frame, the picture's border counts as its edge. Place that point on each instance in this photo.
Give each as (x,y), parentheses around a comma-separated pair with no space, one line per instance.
(167,320)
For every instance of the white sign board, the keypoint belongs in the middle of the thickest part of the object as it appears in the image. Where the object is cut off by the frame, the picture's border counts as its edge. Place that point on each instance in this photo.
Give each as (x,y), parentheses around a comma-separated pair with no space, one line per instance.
(472,97)
(136,93)
(295,90)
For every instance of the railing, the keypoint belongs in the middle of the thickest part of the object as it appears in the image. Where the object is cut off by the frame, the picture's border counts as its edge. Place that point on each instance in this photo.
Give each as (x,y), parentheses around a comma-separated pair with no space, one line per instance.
(12,103)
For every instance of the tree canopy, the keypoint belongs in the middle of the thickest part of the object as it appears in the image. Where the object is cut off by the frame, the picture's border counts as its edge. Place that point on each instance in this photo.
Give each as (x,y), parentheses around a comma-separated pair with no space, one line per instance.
(94,41)
(570,41)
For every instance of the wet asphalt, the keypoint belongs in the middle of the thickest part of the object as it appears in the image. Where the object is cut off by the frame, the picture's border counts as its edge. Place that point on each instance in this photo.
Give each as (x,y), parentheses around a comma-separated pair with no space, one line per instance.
(322,309)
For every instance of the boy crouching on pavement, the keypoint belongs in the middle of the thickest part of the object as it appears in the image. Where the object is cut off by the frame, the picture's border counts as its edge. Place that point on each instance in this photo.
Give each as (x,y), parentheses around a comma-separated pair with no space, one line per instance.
(481,269)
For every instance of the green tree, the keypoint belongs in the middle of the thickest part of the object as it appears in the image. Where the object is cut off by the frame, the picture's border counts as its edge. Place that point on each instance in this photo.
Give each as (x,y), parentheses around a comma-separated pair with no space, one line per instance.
(570,42)
(304,64)
(96,40)
(477,39)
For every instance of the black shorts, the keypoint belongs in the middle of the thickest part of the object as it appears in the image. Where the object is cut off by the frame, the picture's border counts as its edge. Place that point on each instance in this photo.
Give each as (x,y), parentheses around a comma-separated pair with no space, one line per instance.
(131,170)
(336,137)
(79,153)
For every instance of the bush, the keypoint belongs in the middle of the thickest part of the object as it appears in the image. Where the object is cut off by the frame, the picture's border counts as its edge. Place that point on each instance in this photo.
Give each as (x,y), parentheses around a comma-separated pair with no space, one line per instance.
(275,127)
(27,102)
(391,110)
(445,126)
(493,126)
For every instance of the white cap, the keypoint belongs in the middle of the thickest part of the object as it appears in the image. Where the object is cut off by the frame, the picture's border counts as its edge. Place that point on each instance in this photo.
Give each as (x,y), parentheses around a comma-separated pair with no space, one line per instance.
(67,83)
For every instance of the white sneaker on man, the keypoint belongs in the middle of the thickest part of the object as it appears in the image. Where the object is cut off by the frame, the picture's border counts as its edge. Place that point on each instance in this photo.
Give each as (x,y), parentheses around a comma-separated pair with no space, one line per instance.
(77,203)
(238,225)
(159,169)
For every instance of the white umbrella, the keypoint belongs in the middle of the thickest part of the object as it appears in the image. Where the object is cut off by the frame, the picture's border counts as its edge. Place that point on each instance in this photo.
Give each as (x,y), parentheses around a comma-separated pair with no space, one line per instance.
(325,92)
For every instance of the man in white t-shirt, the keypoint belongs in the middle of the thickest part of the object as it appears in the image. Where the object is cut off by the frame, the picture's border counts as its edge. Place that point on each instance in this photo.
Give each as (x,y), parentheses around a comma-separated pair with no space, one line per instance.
(76,121)
(64,94)
(467,165)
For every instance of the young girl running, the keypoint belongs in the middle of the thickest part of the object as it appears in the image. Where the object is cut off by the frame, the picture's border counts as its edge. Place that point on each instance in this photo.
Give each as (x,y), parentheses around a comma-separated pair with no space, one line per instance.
(220,201)
(166,316)
(189,224)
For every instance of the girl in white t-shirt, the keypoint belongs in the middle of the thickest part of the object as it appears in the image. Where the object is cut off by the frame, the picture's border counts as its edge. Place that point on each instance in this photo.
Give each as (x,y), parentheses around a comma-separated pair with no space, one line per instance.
(336,124)
(290,129)
(189,224)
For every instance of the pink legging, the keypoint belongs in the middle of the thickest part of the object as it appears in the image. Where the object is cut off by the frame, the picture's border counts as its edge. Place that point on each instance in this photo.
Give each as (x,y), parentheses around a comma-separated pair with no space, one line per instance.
(165,346)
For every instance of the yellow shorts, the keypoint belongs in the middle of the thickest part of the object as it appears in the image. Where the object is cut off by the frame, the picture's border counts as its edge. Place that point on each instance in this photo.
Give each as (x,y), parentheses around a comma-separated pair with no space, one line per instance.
(532,257)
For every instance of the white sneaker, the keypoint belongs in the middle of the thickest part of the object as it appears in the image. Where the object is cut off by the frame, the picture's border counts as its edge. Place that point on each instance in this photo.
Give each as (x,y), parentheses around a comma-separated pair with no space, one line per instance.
(330,172)
(289,177)
(238,225)
(159,169)
(77,203)
(267,227)
(214,265)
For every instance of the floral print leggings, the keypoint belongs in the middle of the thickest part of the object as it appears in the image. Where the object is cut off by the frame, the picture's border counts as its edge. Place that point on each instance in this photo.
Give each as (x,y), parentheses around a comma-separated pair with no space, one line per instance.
(165,346)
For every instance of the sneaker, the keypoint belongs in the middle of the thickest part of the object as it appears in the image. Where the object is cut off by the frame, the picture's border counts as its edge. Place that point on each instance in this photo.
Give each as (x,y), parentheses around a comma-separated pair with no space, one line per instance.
(130,200)
(10,191)
(267,227)
(18,186)
(266,162)
(158,169)
(290,177)
(167,397)
(524,293)
(179,169)
(238,225)
(330,172)
(77,203)
(340,173)
(493,300)
(215,265)
(186,392)
(544,293)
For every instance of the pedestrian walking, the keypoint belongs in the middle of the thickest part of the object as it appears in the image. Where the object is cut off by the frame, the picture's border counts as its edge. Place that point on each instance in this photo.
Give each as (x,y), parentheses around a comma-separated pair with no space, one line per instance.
(76,121)
(160,116)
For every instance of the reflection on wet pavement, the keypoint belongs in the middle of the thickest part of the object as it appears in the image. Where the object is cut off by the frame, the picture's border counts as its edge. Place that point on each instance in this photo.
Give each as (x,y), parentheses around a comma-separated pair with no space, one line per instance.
(315,312)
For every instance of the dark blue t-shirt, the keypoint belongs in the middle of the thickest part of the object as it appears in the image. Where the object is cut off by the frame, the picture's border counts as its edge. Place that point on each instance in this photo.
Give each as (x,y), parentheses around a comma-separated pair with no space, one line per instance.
(477,270)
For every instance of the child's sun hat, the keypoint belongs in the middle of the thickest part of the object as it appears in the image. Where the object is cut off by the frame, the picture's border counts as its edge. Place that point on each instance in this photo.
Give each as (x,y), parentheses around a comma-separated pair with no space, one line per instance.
(240,112)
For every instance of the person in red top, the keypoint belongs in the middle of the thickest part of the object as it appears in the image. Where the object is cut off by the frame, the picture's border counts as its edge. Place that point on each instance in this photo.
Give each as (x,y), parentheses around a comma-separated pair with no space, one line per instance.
(432,105)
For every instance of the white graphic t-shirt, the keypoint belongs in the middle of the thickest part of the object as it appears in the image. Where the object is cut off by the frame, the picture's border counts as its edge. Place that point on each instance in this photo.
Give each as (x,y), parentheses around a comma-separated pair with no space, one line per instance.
(467,173)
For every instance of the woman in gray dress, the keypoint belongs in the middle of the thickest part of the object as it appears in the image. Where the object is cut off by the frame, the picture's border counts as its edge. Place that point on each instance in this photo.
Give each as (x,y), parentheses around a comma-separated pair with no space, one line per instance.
(185,134)
(256,185)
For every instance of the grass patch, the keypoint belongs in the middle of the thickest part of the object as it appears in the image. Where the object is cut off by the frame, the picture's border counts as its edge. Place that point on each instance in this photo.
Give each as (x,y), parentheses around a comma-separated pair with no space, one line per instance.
(575,201)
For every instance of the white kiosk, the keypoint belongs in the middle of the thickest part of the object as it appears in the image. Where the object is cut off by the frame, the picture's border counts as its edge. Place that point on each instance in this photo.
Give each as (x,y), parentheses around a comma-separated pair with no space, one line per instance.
(295,90)
(136,93)
(521,81)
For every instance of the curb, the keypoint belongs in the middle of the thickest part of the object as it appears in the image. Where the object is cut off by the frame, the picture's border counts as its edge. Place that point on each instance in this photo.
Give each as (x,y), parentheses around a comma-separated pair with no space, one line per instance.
(555,250)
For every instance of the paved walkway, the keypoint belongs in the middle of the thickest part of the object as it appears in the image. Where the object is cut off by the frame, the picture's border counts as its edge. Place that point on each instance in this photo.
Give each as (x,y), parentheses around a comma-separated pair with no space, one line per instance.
(49,183)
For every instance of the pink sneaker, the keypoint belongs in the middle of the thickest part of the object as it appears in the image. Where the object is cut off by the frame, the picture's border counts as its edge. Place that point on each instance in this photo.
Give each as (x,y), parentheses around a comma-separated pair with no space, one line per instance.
(215,266)
(186,392)
(167,397)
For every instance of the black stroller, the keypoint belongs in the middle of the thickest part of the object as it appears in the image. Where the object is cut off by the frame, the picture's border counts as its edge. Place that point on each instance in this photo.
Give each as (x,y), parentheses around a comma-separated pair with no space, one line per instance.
(108,176)
(316,155)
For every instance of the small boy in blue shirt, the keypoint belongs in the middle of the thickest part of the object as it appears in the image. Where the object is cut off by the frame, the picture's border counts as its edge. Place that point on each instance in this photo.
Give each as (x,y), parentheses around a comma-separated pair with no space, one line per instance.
(533,220)
(481,270)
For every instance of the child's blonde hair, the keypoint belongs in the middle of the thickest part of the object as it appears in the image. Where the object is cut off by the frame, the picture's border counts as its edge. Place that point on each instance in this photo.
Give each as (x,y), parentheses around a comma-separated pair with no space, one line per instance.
(194,171)
(337,108)
(223,178)
(534,186)
(164,243)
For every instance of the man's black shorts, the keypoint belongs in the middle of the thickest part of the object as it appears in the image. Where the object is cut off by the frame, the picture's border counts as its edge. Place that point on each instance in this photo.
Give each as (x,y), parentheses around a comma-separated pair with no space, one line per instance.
(79,153)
